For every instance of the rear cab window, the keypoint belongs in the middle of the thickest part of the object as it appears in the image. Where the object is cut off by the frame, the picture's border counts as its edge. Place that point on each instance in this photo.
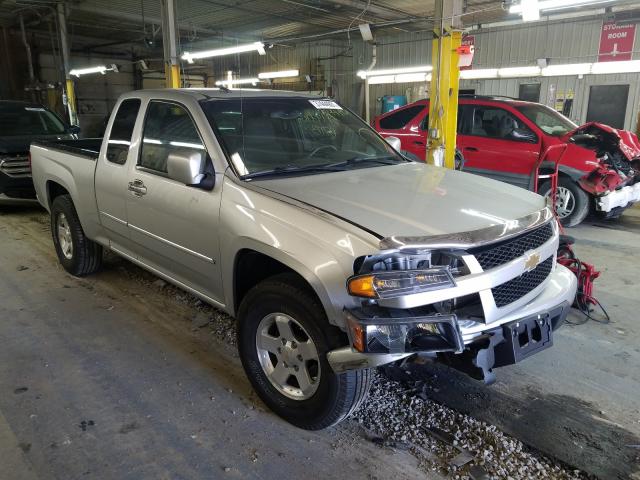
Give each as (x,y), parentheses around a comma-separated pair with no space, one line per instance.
(400,118)
(122,131)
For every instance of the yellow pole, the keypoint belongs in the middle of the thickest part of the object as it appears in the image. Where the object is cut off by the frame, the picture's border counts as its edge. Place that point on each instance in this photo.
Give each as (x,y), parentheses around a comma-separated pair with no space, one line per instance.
(172,76)
(71,97)
(170,37)
(443,95)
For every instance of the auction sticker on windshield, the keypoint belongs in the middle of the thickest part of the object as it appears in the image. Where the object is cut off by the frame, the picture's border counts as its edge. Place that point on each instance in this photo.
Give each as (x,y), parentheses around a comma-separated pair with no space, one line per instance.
(325,104)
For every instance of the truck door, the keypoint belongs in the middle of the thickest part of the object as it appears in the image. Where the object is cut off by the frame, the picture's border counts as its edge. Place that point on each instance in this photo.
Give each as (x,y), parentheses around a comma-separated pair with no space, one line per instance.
(497,144)
(112,175)
(174,227)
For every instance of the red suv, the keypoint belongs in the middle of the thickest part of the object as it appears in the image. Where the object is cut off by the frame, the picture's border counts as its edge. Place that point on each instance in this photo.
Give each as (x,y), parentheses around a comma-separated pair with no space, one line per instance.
(504,139)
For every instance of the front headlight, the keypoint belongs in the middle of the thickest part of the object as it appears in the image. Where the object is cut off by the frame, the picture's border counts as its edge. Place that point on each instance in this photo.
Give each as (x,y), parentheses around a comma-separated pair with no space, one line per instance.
(391,284)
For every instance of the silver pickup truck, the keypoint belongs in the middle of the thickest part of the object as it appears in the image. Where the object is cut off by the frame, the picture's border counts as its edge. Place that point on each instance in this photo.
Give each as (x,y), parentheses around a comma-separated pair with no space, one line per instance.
(335,253)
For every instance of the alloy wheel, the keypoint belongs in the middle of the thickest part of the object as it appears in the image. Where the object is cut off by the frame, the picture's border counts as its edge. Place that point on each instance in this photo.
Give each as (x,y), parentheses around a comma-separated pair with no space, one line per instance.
(565,202)
(288,356)
(64,236)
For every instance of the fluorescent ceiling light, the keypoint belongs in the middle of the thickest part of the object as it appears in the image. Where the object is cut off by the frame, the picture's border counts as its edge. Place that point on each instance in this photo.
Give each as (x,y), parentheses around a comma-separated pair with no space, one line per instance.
(76,72)
(530,10)
(394,71)
(280,74)
(411,77)
(480,73)
(238,81)
(219,52)
(566,69)
(513,72)
(630,66)
(402,78)
(556,4)
(380,79)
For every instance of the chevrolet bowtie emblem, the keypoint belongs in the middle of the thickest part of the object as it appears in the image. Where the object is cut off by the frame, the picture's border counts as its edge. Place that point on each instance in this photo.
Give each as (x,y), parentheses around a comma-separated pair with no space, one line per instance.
(532,261)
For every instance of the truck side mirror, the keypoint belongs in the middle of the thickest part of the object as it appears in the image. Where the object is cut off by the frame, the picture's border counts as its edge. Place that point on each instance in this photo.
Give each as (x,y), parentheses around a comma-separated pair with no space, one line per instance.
(395,143)
(186,166)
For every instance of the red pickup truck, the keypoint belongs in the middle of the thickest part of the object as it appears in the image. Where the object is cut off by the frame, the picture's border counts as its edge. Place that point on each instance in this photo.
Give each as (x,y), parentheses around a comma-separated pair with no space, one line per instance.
(504,139)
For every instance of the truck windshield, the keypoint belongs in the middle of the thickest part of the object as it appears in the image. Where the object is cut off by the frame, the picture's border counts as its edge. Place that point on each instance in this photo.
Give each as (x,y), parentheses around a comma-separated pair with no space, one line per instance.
(288,136)
(548,120)
(18,120)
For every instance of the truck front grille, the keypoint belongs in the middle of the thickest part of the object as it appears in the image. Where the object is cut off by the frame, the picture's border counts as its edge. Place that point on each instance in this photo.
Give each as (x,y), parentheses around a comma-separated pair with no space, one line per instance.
(492,256)
(16,166)
(518,287)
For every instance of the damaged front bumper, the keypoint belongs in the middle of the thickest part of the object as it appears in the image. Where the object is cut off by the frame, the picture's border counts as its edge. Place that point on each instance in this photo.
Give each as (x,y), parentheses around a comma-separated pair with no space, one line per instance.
(479,346)
(621,198)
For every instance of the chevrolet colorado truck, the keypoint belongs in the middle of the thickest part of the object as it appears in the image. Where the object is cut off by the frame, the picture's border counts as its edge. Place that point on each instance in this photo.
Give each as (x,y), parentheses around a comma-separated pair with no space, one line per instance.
(507,139)
(335,253)
(21,123)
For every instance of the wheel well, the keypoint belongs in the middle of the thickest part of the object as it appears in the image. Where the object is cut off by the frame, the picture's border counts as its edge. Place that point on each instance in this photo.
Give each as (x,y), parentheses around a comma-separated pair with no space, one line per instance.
(252,267)
(546,171)
(55,190)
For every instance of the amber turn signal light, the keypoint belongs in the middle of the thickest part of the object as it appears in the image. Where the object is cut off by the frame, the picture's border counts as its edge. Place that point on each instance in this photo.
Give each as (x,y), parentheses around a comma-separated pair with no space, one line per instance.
(362,287)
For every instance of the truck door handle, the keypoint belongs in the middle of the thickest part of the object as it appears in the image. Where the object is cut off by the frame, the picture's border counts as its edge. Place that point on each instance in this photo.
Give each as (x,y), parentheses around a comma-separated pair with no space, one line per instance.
(471,149)
(418,142)
(138,188)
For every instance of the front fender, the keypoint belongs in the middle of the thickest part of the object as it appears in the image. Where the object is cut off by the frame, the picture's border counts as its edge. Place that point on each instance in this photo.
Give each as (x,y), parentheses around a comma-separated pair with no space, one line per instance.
(320,248)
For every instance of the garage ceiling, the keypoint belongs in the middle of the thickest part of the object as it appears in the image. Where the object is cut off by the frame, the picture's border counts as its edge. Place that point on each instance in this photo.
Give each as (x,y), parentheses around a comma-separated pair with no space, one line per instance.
(265,19)
(100,23)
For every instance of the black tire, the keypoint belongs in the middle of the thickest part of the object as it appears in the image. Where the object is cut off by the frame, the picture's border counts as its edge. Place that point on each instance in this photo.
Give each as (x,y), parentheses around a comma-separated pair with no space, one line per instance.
(337,395)
(86,256)
(581,201)
(459,160)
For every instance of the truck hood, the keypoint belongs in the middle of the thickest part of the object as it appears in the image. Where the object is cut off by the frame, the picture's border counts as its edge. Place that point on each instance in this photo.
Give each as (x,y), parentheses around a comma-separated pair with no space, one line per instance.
(412,199)
(627,141)
(20,144)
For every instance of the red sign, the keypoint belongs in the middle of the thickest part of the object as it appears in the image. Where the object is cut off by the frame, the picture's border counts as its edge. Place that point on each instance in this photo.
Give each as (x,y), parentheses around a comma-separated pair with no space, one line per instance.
(468,40)
(616,42)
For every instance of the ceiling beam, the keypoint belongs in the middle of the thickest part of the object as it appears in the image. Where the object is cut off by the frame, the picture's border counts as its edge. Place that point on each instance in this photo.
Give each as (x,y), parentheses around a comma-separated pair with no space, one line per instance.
(385,13)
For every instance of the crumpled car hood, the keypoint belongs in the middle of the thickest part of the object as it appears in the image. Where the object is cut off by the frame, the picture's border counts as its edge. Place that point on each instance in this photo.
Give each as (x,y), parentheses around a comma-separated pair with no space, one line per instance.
(629,144)
(412,199)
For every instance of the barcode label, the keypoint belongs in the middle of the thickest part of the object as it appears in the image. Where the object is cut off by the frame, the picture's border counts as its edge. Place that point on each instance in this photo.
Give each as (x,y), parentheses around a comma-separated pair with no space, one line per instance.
(325,104)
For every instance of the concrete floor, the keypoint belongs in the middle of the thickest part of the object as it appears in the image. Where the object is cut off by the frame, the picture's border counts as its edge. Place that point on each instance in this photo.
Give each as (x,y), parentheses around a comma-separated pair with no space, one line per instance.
(580,400)
(105,378)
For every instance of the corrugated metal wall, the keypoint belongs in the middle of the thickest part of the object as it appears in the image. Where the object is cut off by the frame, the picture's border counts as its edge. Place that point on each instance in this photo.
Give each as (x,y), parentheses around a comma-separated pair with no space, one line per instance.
(334,63)
(96,94)
(563,42)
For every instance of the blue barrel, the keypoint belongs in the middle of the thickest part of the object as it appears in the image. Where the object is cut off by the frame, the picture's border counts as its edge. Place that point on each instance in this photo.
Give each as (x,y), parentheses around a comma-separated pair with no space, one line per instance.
(391,102)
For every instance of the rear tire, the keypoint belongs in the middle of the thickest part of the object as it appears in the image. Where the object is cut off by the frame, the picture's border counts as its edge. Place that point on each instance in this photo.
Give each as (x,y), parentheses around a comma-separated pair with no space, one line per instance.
(575,201)
(78,255)
(332,397)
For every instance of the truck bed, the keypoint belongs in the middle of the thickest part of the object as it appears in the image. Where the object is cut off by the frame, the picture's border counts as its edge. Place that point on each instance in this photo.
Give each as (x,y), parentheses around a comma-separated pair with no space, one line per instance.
(86,147)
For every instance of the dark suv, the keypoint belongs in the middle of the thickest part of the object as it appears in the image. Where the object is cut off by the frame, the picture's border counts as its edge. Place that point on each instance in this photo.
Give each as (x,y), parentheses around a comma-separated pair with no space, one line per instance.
(20,124)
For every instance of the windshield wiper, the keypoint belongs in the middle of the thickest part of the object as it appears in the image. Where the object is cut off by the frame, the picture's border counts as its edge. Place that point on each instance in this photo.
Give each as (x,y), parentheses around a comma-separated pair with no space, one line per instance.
(288,169)
(381,160)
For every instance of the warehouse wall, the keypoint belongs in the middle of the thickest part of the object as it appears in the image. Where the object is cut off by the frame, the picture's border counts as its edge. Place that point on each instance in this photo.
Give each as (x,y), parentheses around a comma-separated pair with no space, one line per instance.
(96,94)
(570,41)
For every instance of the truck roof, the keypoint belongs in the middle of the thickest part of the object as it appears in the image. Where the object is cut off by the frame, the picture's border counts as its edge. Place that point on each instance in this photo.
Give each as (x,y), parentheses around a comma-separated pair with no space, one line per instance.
(213,93)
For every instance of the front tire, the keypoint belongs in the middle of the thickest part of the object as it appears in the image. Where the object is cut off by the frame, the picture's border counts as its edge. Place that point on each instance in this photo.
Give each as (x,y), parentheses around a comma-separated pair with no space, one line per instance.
(283,339)
(572,202)
(78,255)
